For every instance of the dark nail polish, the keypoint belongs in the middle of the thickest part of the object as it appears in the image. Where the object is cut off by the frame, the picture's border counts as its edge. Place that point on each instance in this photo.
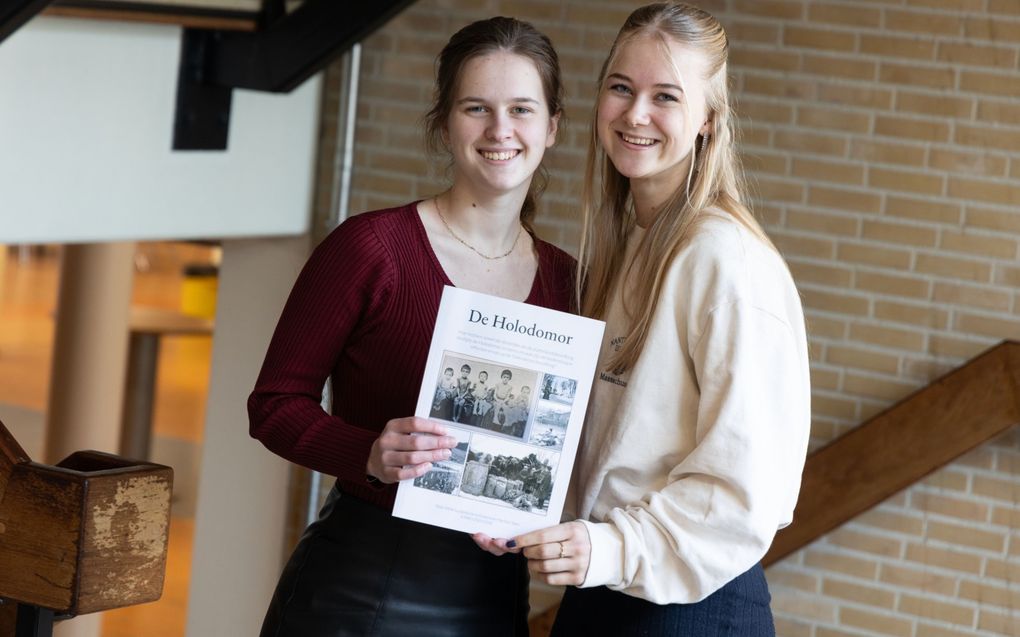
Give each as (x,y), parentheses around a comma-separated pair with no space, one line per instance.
(511,544)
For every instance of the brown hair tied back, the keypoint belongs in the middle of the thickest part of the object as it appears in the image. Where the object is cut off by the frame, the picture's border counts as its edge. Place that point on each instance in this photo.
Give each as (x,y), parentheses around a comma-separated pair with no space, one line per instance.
(498,34)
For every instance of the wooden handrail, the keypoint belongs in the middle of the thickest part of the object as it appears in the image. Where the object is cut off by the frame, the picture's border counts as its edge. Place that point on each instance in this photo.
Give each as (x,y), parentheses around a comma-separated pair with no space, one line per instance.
(894,449)
(11,454)
(84,535)
(156,13)
(903,444)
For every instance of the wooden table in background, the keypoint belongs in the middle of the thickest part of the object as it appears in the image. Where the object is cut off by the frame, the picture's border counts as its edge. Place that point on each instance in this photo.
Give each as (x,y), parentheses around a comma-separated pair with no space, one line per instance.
(148,325)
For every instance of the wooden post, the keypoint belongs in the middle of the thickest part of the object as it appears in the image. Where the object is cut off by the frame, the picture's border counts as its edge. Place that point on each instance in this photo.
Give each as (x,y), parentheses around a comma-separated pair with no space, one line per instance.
(89,349)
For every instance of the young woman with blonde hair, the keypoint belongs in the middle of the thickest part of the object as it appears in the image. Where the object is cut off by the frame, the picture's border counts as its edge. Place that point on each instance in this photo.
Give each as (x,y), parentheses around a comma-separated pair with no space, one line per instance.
(691,456)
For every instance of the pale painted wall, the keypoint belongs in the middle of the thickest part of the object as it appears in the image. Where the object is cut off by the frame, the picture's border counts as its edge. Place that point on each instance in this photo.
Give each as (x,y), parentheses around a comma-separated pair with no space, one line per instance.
(86,124)
(242,495)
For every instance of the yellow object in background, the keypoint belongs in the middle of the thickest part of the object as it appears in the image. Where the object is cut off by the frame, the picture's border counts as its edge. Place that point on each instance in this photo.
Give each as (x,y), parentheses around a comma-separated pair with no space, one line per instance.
(198,290)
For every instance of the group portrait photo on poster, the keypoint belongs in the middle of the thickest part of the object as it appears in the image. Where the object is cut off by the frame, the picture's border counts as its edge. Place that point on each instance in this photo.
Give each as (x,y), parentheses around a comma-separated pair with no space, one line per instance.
(520,405)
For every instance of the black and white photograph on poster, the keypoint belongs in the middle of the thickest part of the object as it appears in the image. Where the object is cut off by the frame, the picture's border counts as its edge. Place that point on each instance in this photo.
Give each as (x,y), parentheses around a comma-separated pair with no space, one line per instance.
(445,475)
(509,474)
(558,389)
(483,394)
(549,427)
(552,412)
(494,366)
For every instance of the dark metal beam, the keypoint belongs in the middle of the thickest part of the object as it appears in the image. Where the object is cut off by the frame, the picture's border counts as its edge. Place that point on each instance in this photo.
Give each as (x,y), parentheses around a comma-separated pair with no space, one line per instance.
(272,11)
(288,50)
(297,46)
(202,117)
(34,621)
(15,13)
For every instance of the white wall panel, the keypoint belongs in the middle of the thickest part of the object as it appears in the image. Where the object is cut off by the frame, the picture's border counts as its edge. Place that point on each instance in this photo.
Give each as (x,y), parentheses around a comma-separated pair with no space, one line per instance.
(86,123)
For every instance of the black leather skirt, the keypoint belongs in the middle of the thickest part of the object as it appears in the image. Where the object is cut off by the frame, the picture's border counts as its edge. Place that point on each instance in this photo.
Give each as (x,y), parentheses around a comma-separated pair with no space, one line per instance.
(359,571)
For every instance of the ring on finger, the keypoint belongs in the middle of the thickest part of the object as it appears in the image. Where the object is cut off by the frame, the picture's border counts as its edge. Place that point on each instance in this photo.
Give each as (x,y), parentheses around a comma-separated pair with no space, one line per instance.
(562,550)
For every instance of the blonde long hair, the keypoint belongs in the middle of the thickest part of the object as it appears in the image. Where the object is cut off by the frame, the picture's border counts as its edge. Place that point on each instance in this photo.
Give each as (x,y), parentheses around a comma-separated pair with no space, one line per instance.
(714,181)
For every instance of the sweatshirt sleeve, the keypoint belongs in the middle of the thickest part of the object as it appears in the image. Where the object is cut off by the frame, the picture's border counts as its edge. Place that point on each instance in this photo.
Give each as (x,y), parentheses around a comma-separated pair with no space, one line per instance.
(346,281)
(720,507)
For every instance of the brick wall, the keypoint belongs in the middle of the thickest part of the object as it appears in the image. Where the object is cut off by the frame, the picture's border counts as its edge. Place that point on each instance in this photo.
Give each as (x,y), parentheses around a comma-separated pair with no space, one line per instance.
(883,138)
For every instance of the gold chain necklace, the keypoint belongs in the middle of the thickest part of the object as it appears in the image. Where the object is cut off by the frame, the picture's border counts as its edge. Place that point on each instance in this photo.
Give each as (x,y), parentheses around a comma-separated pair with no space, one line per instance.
(453,234)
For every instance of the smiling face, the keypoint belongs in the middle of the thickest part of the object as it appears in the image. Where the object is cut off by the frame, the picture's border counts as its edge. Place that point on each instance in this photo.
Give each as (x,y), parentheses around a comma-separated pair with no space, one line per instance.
(499,126)
(648,118)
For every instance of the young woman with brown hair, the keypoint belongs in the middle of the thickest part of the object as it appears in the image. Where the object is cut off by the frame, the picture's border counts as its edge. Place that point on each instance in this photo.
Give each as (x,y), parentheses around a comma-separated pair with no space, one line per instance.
(362,313)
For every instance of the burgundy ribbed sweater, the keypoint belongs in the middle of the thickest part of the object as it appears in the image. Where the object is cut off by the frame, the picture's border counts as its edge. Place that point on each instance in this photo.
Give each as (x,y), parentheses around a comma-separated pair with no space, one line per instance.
(362,311)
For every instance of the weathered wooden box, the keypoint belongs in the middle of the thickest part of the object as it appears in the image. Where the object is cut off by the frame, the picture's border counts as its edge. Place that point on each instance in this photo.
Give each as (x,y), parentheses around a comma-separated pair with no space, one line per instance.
(85,535)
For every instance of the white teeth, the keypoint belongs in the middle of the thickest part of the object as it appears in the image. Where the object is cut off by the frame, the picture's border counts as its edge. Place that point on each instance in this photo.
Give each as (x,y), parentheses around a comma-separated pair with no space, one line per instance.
(640,141)
(502,156)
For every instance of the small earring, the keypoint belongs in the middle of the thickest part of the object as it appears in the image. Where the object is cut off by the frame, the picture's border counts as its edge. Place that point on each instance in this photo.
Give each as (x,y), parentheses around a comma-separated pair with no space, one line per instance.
(700,160)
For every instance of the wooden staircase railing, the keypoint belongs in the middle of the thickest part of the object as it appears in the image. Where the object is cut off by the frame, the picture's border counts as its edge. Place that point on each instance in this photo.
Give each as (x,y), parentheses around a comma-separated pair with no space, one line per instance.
(894,449)
(87,534)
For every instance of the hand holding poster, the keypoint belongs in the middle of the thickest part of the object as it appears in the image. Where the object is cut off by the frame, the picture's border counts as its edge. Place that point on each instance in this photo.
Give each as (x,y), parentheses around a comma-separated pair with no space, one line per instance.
(511,382)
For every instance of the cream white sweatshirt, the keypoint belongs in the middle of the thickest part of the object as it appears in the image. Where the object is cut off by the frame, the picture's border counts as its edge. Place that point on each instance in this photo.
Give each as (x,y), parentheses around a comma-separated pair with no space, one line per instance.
(691,460)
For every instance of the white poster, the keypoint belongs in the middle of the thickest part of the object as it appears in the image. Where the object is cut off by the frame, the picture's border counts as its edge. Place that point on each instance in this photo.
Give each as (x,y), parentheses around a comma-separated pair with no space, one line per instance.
(511,382)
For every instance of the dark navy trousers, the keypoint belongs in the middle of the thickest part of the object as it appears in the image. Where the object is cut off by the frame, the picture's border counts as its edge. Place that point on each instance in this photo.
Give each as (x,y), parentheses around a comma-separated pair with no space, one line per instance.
(738,609)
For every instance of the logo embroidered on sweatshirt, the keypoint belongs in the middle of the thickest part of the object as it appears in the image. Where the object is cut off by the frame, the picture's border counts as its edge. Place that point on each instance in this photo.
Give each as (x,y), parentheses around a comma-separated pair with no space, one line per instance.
(609,378)
(617,344)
